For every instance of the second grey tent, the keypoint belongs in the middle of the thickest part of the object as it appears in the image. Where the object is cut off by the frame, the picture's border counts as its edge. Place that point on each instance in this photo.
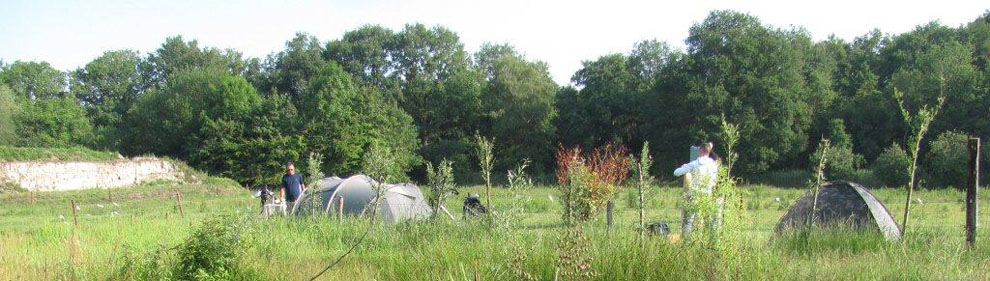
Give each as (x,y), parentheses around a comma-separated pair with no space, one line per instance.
(354,195)
(841,203)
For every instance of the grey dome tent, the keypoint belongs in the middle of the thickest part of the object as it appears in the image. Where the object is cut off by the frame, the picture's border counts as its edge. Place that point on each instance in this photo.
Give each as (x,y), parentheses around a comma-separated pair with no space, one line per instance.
(841,202)
(399,202)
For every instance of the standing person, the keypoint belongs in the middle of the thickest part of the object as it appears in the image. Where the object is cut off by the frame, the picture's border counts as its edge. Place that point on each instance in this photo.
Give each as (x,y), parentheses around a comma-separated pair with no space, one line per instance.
(292,183)
(701,174)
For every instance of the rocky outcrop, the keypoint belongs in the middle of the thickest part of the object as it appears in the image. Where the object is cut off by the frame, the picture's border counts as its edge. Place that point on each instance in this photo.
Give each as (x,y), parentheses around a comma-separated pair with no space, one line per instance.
(73,175)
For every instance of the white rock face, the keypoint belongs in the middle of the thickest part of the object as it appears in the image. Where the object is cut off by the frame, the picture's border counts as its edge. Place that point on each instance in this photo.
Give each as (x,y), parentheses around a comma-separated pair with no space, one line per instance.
(60,175)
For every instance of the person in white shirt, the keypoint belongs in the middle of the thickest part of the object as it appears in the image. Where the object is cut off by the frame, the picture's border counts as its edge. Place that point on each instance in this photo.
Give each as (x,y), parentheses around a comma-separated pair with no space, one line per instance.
(702,175)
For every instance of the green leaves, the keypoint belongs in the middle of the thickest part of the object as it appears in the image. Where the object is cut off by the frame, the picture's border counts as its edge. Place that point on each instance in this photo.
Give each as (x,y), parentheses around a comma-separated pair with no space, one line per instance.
(441,179)
(33,80)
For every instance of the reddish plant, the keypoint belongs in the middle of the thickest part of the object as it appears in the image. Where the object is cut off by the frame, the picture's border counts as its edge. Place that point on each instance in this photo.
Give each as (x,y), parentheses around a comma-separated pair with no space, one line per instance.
(610,163)
(588,181)
(564,157)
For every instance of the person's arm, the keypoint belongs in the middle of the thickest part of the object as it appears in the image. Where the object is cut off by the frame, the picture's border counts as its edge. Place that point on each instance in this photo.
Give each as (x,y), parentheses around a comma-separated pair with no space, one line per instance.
(282,191)
(686,168)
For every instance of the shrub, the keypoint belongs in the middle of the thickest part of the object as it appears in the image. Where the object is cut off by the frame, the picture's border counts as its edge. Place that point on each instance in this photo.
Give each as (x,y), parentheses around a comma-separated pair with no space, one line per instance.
(588,182)
(947,160)
(842,162)
(57,122)
(212,252)
(891,167)
(441,183)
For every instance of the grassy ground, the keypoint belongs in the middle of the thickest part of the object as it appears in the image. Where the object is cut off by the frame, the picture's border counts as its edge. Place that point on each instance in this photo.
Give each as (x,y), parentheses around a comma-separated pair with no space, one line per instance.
(139,234)
(10,153)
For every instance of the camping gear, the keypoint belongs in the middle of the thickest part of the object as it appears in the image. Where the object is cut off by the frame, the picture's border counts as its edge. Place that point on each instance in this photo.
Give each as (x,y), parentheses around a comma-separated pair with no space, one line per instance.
(473,207)
(355,194)
(269,205)
(841,203)
(658,228)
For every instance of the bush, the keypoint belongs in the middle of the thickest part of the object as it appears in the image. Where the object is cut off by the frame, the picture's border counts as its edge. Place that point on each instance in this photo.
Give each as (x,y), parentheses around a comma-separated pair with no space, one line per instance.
(947,159)
(842,163)
(9,108)
(56,122)
(212,252)
(891,167)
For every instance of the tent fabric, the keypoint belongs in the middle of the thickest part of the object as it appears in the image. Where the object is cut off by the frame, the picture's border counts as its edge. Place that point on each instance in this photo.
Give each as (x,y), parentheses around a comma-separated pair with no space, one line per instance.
(841,203)
(399,202)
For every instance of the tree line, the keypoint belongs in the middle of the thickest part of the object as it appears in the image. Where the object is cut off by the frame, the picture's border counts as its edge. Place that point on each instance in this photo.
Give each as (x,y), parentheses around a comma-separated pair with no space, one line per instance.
(419,92)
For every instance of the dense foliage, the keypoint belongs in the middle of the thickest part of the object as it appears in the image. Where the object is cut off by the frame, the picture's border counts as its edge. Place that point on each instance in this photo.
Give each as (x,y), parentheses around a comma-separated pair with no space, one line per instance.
(418,92)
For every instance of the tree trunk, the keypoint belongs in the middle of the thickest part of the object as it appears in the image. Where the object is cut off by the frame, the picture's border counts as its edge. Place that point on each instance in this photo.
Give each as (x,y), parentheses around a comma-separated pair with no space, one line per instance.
(911,184)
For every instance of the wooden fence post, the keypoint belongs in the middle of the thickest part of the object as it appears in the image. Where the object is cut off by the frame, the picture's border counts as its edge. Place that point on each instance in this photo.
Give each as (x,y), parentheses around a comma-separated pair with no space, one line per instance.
(109,195)
(340,210)
(179,200)
(75,220)
(972,186)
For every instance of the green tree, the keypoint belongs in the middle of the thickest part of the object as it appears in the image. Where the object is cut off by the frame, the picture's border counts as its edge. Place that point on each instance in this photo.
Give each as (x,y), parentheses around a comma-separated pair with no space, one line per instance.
(108,86)
(754,76)
(426,72)
(609,107)
(518,107)
(9,109)
(33,80)
(170,121)
(53,122)
(291,69)
(948,157)
(366,53)
(177,55)
(254,151)
(842,162)
(343,120)
(892,166)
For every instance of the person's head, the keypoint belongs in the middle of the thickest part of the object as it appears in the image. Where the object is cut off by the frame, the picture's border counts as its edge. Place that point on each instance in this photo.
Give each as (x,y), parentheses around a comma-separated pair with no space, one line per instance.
(705,149)
(290,168)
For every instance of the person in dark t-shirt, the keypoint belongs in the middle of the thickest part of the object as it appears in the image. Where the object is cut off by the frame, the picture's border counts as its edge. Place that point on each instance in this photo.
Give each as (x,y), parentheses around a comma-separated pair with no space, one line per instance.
(292,186)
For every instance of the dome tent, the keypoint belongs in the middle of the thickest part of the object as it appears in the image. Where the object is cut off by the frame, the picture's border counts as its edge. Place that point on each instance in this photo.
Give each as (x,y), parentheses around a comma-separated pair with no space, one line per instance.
(841,202)
(399,202)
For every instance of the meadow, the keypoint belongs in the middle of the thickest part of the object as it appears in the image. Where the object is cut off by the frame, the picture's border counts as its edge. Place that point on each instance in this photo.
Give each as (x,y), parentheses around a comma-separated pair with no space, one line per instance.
(140,233)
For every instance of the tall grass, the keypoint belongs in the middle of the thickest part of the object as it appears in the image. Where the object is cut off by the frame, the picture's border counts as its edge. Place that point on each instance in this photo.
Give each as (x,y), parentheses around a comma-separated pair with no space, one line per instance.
(36,245)
(10,153)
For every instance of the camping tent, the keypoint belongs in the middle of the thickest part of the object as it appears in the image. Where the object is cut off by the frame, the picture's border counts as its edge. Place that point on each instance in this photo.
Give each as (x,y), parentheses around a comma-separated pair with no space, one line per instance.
(400,201)
(840,203)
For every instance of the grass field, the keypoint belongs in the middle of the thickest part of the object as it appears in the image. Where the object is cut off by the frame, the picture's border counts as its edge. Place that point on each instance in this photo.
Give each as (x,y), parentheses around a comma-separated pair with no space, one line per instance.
(139,234)
(10,153)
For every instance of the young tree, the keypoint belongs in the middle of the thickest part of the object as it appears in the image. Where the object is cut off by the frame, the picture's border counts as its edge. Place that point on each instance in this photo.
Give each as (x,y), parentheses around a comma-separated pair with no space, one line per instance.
(918,123)
(486,161)
(822,153)
(441,184)
(641,168)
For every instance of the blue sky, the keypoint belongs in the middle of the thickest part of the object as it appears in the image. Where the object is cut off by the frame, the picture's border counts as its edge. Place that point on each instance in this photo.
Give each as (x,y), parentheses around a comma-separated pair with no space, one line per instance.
(68,34)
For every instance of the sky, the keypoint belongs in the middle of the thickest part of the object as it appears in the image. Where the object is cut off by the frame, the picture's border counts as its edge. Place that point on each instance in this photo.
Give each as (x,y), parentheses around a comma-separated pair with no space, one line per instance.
(562,33)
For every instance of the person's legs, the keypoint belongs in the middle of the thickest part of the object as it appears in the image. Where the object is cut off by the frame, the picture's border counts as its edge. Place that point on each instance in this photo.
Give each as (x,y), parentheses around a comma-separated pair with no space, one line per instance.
(289,206)
(687,221)
(716,222)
